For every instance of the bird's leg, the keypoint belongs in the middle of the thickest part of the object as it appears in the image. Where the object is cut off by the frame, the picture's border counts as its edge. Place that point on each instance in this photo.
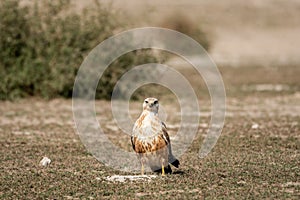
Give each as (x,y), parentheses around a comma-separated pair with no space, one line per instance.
(142,162)
(142,170)
(162,168)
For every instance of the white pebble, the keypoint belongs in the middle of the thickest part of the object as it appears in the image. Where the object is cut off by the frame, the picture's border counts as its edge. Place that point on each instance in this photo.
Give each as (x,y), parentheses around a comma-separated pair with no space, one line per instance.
(45,162)
(254,126)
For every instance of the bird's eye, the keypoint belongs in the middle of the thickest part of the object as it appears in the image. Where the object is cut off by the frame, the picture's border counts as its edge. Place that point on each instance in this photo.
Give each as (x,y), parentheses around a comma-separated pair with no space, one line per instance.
(146,101)
(155,102)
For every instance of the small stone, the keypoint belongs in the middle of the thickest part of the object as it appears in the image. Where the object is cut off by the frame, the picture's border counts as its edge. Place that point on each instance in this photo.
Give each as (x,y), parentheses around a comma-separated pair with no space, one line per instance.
(254,126)
(241,182)
(45,162)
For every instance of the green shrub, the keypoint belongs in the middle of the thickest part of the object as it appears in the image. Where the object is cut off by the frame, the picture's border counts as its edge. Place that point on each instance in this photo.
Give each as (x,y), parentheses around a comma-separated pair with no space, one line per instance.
(43,45)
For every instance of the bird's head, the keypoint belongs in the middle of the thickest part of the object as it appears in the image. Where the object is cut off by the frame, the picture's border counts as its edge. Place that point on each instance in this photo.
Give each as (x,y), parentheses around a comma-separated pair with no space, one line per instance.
(151,104)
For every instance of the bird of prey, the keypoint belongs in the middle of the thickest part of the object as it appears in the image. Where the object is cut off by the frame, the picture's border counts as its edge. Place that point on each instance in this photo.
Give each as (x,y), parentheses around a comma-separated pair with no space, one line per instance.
(150,140)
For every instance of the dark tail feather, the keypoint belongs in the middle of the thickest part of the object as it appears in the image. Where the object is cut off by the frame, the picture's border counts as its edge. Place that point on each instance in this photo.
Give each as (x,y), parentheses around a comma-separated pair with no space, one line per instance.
(175,163)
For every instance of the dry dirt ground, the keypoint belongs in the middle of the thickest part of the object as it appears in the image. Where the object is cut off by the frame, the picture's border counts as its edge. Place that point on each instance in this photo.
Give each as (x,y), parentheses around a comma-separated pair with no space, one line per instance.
(257,155)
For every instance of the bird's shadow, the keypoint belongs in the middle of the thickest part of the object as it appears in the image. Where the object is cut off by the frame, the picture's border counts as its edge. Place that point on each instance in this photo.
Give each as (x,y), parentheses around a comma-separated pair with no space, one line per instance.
(177,172)
(180,172)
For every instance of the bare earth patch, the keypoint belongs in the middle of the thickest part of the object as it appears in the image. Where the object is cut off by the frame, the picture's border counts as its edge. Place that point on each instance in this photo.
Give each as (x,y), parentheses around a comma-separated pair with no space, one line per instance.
(120,178)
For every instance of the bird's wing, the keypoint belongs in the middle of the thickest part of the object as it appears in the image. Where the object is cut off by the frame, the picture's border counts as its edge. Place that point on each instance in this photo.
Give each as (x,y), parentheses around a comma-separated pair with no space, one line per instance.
(174,161)
(165,133)
(133,138)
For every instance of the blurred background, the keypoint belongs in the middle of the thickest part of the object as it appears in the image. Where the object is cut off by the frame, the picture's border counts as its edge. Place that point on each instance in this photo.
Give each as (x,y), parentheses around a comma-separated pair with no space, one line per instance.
(255,44)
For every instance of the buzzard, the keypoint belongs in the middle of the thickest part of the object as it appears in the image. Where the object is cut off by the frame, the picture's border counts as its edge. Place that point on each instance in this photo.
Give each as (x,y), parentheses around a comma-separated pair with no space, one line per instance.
(150,140)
